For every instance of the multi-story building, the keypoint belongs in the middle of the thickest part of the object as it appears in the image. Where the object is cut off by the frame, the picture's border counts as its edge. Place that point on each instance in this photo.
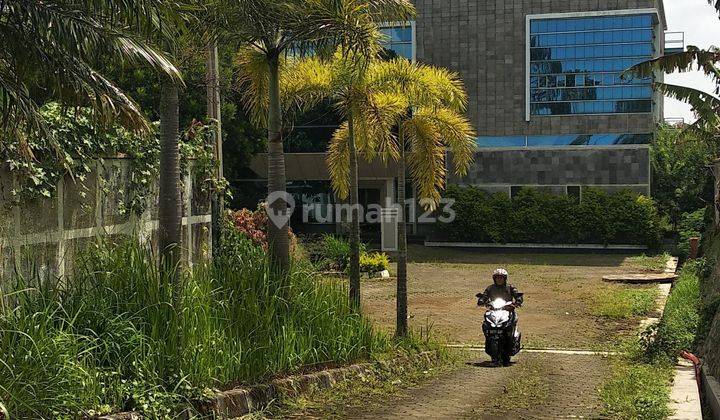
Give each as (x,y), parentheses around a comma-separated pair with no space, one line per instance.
(547,93)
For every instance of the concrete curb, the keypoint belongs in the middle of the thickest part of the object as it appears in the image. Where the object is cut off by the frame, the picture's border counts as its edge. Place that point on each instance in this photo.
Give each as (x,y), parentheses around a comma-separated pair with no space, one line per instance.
(584,247)
(711,391)
(685,395)
(241,401)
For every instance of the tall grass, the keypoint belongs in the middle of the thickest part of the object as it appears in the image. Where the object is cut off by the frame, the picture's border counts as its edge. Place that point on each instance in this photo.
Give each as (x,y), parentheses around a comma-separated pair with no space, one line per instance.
(108,338)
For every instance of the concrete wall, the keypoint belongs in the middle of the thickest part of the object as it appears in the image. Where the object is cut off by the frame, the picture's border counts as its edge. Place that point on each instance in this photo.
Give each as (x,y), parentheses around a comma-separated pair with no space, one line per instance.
(484,41)
(611,168)
(46,234)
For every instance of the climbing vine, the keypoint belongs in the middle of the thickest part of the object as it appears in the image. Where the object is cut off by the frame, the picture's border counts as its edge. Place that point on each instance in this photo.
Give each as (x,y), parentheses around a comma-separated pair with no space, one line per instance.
(76,142)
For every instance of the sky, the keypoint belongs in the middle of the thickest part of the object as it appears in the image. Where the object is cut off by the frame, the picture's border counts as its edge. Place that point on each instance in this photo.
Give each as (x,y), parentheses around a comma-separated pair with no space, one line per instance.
(701,25)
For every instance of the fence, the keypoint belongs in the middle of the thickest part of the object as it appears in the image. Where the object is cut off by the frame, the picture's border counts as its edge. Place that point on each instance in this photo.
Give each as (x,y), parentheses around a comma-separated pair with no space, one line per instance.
(46,234)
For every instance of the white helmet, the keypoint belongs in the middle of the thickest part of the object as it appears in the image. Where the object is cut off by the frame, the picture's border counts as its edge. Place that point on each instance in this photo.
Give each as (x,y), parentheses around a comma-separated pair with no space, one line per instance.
(500,272)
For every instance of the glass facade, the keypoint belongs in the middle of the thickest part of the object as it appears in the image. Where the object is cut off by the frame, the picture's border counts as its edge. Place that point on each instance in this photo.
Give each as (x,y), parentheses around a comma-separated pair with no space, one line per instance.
(564,140)
(398,39)
(576,65)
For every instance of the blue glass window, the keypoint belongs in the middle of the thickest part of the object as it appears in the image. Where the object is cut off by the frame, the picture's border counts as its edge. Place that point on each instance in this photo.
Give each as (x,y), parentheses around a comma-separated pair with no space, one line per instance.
(564,140)
(576,64)
(398,39)
(501,141)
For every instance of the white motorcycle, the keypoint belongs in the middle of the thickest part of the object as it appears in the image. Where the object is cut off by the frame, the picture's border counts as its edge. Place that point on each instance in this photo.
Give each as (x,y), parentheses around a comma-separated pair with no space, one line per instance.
(502,338)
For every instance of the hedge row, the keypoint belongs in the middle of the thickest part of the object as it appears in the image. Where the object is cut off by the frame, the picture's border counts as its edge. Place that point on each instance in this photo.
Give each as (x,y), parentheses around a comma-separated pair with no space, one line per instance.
(534,216)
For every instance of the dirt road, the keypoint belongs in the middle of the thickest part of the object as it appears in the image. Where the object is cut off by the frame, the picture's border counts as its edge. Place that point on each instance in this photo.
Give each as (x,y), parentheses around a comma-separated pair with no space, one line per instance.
(561,293)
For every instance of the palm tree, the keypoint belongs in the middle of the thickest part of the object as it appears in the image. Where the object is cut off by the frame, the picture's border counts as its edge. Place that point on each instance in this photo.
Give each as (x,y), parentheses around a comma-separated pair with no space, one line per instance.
(272,29)
(705,104)
(425,105)
(55,42)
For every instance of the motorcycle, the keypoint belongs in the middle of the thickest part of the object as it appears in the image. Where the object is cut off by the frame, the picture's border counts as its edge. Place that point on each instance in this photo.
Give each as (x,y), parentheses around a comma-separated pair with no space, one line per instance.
(502,338)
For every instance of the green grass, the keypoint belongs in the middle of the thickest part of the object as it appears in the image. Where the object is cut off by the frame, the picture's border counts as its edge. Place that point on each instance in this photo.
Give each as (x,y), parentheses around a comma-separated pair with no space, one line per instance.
(649,262)
(637,390)
(620,303)
(110,338)
(680,322)
(639,387)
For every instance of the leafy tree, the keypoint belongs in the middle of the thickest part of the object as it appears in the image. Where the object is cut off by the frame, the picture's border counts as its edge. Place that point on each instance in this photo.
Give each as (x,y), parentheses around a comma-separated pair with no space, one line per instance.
(681,178)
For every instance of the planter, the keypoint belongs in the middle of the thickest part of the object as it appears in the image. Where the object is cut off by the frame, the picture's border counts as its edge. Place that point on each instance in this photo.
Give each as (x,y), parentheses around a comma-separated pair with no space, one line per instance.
(378,275)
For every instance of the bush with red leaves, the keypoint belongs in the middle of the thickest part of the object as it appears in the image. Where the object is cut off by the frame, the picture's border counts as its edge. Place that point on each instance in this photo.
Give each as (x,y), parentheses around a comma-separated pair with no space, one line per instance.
(253,225)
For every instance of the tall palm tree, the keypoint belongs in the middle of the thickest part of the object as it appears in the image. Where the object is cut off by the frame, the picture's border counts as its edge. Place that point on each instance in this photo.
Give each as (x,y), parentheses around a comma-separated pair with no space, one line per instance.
(425,105)
(274,28)
(346,83)
(52,44)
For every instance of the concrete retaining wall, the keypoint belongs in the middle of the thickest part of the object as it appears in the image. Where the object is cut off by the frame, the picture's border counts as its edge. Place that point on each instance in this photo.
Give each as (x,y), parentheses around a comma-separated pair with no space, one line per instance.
(43,236)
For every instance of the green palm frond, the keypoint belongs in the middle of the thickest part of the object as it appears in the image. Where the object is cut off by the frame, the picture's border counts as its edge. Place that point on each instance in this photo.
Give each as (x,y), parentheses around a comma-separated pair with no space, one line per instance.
(690,60)
(305,83)
(426,159)
(705,105)
(423,85)
(431,132)
(457,135)
(55,41)
(338,162)
(253,82)
(715,4)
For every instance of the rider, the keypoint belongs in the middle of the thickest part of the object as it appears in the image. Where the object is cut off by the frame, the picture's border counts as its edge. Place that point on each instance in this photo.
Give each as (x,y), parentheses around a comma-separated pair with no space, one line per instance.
(500,289)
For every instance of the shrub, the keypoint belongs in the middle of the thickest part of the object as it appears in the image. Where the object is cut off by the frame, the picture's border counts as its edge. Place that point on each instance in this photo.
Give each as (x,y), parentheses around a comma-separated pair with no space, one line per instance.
(691,225)
(253,225)
(373,262)
(535,216)
(334,253)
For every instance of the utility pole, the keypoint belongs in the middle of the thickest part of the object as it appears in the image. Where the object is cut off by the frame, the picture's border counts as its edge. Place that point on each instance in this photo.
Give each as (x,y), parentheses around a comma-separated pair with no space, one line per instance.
(213,111)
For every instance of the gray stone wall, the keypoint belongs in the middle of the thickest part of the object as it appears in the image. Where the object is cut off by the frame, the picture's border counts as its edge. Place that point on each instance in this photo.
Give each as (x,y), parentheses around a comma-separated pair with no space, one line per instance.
(484,41)
(611,168)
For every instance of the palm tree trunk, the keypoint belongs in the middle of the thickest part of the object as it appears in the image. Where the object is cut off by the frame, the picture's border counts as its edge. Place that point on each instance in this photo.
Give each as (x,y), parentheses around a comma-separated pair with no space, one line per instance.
(278,239)
(401,326)
(213,110)
(169,205)
(355,219)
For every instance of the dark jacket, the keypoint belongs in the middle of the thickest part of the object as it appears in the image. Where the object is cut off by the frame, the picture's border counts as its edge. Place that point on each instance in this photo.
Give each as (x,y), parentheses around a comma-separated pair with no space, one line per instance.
(494,291)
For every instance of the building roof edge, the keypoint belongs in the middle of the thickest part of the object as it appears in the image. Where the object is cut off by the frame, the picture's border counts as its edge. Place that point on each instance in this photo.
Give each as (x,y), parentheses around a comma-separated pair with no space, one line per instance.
(661,11)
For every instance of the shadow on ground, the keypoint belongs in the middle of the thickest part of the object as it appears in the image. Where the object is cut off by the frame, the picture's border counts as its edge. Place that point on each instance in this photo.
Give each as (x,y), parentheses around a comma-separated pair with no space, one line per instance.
(421,254)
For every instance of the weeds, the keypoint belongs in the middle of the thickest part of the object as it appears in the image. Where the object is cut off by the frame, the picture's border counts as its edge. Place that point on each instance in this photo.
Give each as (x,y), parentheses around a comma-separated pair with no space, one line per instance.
(619,303)
(637,390)
(649,262)
(109,339)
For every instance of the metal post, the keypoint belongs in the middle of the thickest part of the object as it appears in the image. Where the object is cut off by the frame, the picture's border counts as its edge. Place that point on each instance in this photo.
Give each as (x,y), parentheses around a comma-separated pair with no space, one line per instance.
(213,109)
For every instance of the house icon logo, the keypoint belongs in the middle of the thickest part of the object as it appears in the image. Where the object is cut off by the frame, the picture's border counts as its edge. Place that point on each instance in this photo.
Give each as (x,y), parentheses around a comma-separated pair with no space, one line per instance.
(280,206)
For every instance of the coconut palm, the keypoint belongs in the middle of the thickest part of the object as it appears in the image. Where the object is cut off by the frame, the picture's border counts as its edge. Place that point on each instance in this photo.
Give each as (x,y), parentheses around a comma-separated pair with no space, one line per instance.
(425,104)
(52,44)
(272,29)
